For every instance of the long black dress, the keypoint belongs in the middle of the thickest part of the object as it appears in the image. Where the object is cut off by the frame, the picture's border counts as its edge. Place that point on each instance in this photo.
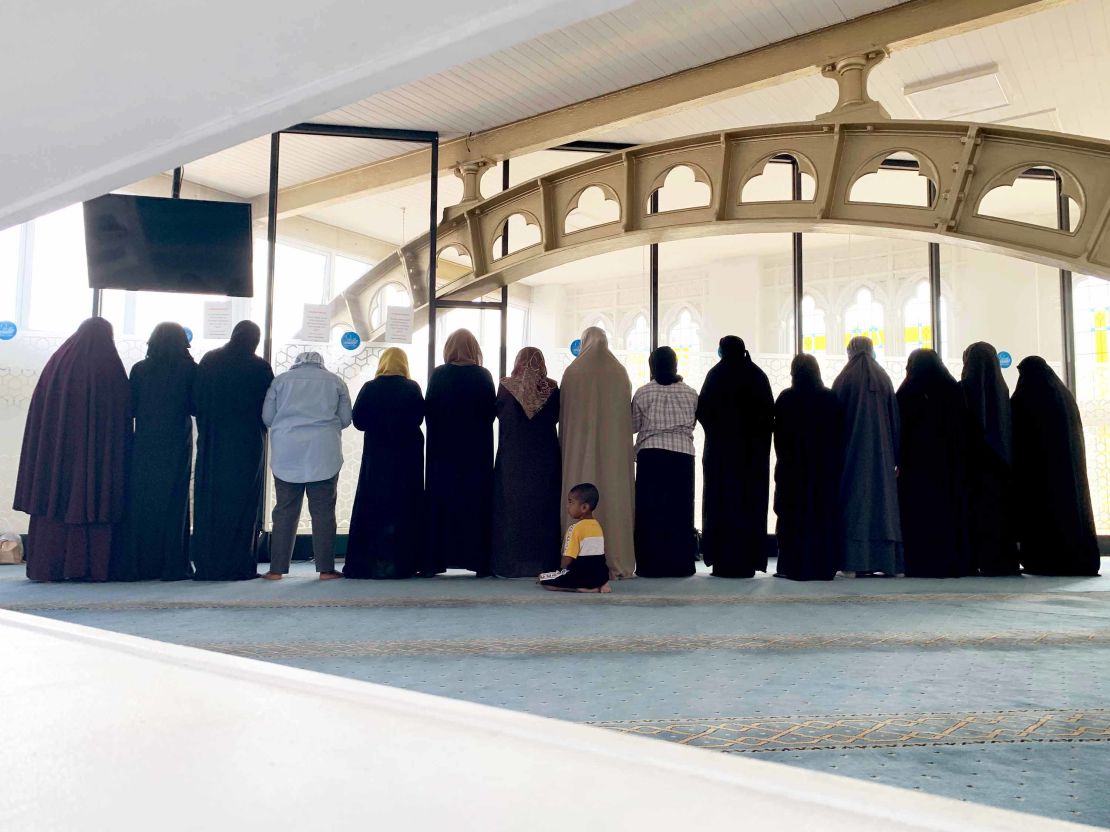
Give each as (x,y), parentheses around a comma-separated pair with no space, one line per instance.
(460,410)
(809,452)
(1055,524)
(932,475)
(991,532)
(230,389)
(736,409)
(157,543)
(385,535)
(527,481)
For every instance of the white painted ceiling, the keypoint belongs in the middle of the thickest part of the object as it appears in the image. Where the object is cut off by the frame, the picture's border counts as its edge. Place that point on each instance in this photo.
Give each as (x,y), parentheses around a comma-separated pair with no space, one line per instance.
(1050,64)
(644,40)
(98,95)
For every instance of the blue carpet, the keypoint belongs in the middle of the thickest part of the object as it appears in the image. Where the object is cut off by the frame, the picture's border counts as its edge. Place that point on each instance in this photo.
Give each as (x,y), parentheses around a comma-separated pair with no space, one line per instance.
(990,690)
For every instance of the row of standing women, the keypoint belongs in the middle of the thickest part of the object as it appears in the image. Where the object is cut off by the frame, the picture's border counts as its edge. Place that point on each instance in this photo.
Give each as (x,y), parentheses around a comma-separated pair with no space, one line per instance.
(934,481)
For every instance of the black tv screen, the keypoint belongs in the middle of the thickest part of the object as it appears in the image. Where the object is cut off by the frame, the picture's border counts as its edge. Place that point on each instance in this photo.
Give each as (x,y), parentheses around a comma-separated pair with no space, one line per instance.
(147,243)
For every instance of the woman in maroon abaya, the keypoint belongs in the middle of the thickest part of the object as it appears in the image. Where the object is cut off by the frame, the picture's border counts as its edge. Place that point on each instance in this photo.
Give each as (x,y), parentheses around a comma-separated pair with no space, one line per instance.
(72,470)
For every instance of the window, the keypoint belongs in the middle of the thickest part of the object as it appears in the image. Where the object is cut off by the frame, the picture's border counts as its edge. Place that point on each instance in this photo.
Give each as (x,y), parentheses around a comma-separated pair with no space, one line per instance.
(814,335)
(11,244)
(346,270)
(684,333)
(865,317)
(391,294)
(638,336)
(60,293)
(918,319)
(300,277)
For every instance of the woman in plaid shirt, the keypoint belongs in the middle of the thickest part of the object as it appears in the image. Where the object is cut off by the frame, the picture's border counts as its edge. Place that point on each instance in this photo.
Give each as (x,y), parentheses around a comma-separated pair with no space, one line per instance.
(663,413)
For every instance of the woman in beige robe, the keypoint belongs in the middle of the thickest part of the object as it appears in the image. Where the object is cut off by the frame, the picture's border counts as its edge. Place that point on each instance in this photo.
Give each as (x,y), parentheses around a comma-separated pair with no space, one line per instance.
(595,430)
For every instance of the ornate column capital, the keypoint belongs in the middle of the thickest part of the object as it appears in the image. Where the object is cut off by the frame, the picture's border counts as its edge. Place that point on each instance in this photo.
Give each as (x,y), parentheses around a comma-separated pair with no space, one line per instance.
(850,74)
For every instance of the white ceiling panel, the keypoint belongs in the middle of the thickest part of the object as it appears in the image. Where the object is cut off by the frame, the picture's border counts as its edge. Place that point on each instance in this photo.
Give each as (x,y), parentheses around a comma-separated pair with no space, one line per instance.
(640,42)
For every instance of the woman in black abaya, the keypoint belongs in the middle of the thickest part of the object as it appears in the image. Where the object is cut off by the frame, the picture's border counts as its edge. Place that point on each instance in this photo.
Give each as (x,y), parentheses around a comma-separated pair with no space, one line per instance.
(992,539)
(384,540)
(870,525)
(157,541)
(736,409)
(1055,524)
(809,451)
(932,473)
(460,410)
(229,393)
(527,478)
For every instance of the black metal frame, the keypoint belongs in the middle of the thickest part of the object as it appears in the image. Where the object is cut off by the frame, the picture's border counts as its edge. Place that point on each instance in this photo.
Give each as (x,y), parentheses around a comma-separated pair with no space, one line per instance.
(797,269)
(653,280)
(1067,308)
(429,137)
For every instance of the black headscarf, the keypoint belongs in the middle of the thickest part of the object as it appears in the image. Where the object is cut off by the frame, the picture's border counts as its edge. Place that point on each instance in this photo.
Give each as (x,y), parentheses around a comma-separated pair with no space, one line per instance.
(924,371)
(805,372)
(168,342)
(732,348)
(988,397)
(663,364)
(245,337)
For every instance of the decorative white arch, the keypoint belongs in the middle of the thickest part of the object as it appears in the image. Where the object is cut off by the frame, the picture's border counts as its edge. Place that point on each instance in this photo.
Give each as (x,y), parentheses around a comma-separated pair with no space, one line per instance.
(964,160)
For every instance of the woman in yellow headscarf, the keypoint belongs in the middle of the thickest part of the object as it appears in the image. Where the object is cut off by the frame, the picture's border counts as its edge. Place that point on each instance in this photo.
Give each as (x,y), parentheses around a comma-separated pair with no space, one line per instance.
(385,538)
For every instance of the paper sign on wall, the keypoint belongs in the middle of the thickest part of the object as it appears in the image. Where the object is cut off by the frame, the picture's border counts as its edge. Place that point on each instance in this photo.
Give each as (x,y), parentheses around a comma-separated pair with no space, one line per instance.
(217,320)
(398,325)
(316,324)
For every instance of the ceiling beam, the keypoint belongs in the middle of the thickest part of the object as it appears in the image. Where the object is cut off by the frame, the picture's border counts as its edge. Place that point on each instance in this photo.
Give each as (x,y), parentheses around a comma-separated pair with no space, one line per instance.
(906,25)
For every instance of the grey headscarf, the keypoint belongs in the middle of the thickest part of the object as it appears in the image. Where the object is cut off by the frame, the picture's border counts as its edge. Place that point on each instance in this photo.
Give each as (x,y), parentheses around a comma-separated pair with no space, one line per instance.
(309,358)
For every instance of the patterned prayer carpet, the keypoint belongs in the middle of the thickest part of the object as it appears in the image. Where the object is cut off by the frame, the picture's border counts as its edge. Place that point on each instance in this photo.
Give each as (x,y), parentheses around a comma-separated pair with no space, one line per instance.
(989,690)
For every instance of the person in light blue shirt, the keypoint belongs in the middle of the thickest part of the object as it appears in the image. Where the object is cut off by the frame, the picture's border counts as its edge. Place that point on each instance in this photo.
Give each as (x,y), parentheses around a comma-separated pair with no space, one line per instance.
(306,410)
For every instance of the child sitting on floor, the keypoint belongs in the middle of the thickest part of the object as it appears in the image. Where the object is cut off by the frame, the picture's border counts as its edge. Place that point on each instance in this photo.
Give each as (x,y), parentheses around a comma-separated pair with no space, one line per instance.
(583,565)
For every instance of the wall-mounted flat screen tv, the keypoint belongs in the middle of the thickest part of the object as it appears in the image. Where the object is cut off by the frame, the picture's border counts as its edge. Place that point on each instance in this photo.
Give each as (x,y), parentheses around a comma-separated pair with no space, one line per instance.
(146,243)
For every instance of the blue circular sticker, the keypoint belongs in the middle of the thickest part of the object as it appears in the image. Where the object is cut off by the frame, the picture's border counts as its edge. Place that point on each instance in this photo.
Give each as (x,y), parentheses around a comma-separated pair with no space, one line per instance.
(1005,359)
(188,334)
(350,340)
(576,347)
(7,330)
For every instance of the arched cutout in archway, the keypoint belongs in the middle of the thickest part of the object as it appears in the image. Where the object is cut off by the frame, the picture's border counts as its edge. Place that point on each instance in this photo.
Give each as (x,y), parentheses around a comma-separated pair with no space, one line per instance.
(457,254)
(391,294)
(524,232)
(1029,196)
(900,178)
(683,187)
(595,206)
(776,182)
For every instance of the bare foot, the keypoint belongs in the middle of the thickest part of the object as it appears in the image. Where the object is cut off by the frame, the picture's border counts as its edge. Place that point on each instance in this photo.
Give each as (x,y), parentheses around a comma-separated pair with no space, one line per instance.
(272,576)
(330,576)
(605,589)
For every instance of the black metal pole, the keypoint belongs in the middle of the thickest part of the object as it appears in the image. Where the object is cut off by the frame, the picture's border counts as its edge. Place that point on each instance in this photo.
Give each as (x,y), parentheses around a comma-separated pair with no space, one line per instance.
(796,259)
(503,354)
(433,256)
(1067,310)
(653,280)
(96,302)
(271,246)
(934,283)
(178,177)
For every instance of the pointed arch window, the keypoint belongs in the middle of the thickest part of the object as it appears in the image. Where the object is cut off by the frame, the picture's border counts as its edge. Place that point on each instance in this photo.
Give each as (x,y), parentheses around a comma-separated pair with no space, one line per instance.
(637,338)
(865,317)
